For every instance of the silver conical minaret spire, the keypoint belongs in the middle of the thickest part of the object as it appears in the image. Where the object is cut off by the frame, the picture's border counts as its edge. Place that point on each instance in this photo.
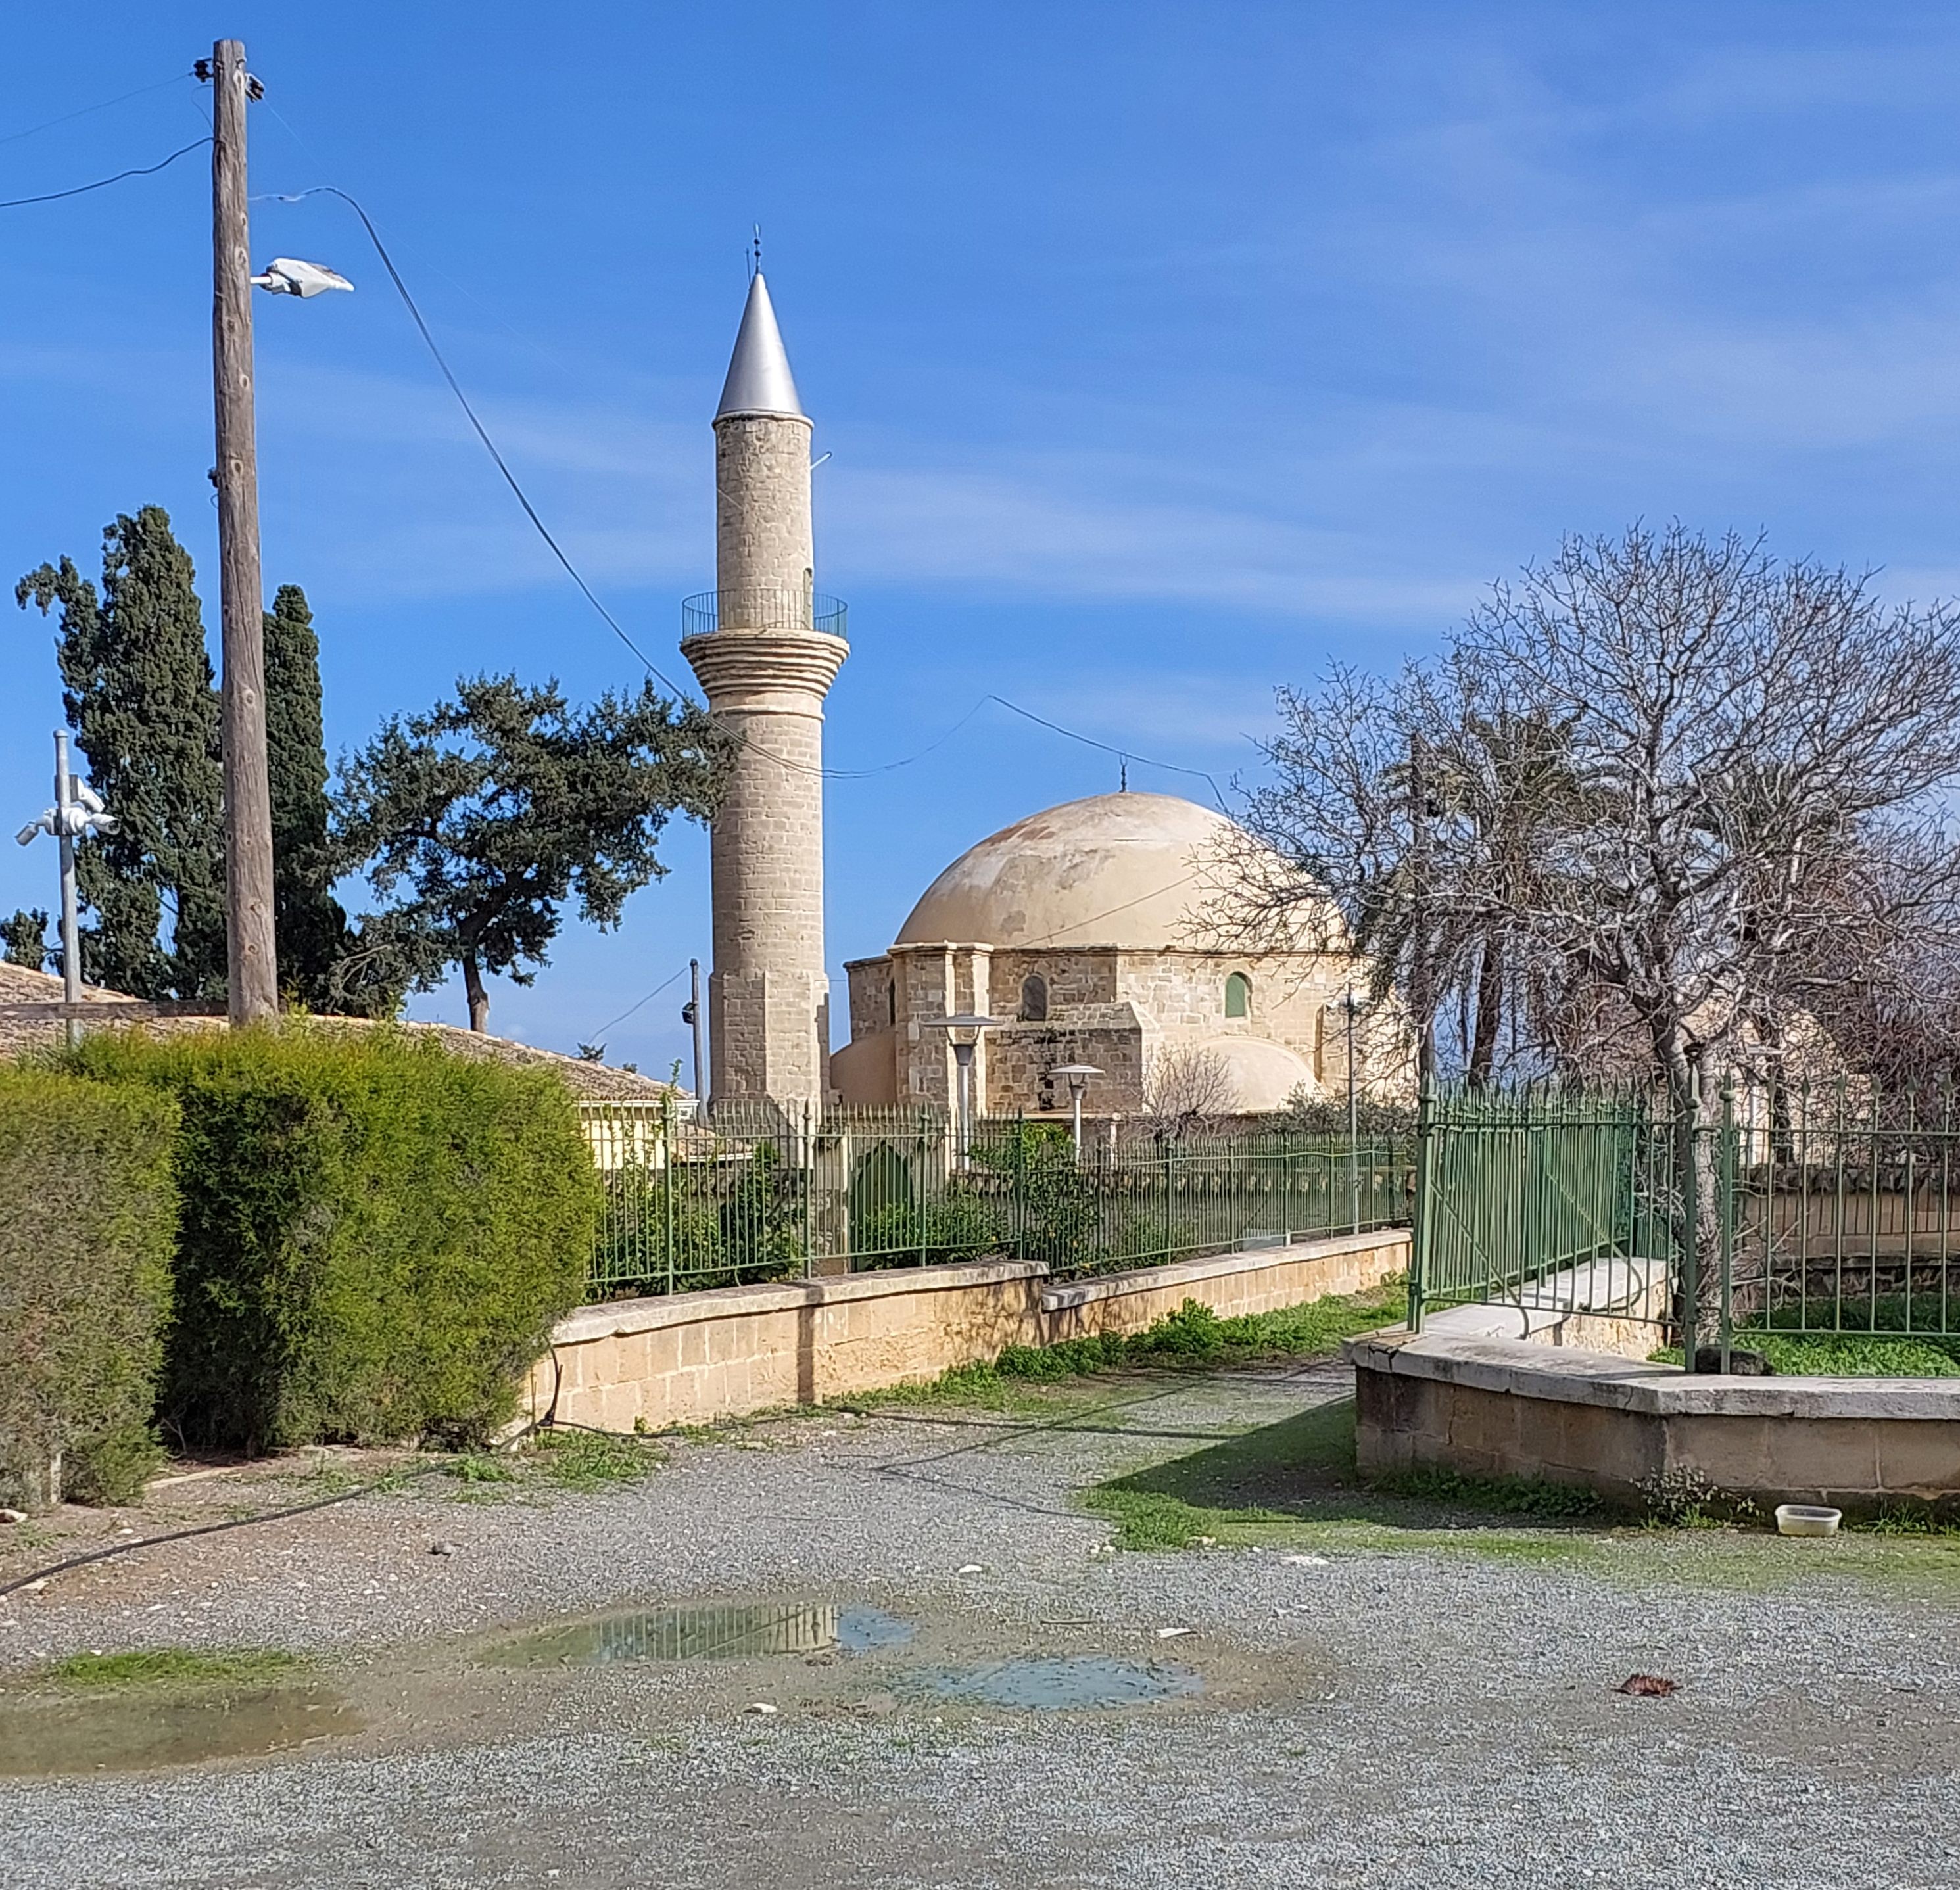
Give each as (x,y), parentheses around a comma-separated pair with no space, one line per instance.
(759,381)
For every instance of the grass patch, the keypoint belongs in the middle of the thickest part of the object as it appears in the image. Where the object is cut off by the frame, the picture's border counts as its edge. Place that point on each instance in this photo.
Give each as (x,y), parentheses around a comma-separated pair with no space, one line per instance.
(1294,1485)
(1843,1355)
(585,1460)
(177,1667)
(1295,1482)
(1194,1337)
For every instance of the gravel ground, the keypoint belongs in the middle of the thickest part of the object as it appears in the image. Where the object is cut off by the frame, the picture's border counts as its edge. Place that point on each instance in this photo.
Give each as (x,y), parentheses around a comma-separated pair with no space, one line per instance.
(1443,1719)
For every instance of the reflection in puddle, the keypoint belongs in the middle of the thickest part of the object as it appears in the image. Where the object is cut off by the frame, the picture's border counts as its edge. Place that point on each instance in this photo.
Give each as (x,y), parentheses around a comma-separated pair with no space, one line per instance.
(1052,1684)
(126,1731)
(709,1633)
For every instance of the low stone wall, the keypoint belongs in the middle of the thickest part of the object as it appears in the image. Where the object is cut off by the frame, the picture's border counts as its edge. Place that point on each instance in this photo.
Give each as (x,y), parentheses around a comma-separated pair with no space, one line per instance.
(695,1357)
(1504,1407)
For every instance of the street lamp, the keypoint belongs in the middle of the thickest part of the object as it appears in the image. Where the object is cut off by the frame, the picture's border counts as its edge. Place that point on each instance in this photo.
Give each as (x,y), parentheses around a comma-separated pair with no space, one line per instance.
(77,812)
(1351,1007)
(964,1028)
(1078,1075)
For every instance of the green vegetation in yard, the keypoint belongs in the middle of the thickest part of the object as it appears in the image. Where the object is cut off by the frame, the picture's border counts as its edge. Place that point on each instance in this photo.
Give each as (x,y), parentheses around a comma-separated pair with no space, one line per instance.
(88,1213)
(1193,1337)
(1293,1486)
(1844,1354)
(585,1460)
(183,1668)
(377,1235)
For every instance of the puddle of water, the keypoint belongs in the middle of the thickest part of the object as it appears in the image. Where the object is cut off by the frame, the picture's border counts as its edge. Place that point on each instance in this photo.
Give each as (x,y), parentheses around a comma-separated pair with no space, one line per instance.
(709,1633)
(1053,1684)
(132,1731)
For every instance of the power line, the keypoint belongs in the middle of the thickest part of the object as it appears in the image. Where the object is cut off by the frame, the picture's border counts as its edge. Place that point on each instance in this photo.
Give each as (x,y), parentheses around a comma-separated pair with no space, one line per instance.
(68,117)
(571,570)
(630,1008)
(1124,754)
(482,433)
(102,183)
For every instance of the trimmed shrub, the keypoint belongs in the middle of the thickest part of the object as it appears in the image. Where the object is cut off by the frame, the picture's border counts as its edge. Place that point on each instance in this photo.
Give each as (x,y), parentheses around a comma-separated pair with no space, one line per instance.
(88,1215)
(377,1235)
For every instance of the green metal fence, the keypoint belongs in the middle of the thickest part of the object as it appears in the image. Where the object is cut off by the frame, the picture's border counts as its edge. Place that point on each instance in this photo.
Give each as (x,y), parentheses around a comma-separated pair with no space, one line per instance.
(1820,1211)
(1840,1210)
(764,1195)
(1548,1200)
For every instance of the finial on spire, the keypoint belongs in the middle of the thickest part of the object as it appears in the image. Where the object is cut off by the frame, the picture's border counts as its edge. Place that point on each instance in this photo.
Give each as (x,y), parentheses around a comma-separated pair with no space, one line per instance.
(756,254)
(759,381)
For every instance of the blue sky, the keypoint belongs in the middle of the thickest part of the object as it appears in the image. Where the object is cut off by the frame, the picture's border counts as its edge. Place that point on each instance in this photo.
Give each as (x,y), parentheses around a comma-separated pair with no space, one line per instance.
(1165,353)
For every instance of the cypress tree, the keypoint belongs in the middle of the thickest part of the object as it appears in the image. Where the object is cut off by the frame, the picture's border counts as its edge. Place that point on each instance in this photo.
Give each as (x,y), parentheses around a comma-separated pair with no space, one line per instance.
(23,939)
(139,693)
(311,927)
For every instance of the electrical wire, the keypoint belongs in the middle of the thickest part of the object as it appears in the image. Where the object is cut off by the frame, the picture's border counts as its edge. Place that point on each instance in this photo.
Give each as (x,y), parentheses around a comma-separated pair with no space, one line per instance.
(1124,754)
(571,570)
(598,1034)
(102,183)
(67,118)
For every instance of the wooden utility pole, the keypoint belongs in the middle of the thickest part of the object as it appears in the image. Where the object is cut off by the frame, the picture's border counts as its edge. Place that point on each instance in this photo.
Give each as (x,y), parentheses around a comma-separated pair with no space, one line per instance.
(252,975)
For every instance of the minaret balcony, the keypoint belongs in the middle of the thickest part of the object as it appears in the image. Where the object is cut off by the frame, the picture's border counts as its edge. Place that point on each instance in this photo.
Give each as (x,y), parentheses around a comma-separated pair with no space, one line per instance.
(762,607)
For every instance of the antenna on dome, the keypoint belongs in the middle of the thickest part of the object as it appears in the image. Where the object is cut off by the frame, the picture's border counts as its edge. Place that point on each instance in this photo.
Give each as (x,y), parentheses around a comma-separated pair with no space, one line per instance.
(1122,774)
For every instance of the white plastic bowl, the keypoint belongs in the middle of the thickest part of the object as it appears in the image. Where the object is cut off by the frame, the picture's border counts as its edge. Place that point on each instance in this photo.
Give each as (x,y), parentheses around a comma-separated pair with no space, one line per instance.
(1807,1519)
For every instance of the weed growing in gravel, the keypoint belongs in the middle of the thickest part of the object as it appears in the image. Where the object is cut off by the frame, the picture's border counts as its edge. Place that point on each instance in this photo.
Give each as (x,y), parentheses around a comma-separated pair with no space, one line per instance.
(180,1667)
(585,1460)
(1909,1519)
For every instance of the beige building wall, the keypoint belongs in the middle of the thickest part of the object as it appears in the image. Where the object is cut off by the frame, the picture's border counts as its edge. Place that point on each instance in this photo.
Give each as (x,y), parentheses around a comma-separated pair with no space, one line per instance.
(1115,1009)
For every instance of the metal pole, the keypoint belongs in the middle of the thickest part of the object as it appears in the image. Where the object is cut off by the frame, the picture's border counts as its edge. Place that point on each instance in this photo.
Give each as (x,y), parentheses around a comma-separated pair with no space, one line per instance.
(1075,1099)
(962,1058)
(252,977)
(1354,1119)
(1422,1234)
(71,926)
(694,1019)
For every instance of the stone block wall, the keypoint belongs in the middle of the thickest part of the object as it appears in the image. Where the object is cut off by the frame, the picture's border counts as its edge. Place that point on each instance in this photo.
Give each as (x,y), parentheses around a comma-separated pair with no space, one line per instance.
(697,1356)
(1509,1408)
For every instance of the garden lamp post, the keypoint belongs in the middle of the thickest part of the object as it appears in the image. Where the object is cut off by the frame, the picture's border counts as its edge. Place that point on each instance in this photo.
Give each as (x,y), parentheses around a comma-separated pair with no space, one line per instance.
(1078,1075)
(1351,1007)
(77,812)
(964,1028)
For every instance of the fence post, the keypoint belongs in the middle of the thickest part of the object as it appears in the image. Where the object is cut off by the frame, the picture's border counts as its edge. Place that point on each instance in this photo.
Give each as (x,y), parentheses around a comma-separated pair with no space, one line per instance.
(1688,1131)
(1724,1206)
(667,1183)
(1422,1219)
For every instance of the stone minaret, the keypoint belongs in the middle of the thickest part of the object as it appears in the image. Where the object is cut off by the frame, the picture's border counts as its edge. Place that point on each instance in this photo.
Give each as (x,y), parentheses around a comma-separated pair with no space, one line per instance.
(766,665)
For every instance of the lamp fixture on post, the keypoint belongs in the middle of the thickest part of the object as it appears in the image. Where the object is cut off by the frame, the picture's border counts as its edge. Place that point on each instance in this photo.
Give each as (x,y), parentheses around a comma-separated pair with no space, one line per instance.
(1078,1075)
(964,1028)
(77,813)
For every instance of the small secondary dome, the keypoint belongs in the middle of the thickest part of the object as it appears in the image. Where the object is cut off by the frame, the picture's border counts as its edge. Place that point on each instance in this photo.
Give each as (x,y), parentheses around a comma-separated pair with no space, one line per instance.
(1127,870)
(759,381)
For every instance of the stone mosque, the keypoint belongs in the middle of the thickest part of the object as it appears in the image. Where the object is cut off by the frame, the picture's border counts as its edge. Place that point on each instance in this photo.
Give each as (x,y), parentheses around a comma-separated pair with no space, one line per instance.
(1080,928)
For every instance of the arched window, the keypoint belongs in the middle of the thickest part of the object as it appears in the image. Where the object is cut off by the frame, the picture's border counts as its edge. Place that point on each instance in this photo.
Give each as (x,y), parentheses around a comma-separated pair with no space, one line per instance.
(892,1001)
(1237,995)
(1034,998)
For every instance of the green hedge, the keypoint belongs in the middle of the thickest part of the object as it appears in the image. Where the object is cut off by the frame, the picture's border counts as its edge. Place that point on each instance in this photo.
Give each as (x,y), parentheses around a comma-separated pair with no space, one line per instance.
(377,1237)
(88,1215)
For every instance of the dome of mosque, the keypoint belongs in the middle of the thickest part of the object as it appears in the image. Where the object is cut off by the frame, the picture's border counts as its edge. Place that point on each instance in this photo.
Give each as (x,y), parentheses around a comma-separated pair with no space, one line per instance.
(1127,870)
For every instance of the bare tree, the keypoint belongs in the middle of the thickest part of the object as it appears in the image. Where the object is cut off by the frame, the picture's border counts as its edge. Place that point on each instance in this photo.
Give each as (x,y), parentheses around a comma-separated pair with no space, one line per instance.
(1405,822)
(1187,1088)
(1674,795)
